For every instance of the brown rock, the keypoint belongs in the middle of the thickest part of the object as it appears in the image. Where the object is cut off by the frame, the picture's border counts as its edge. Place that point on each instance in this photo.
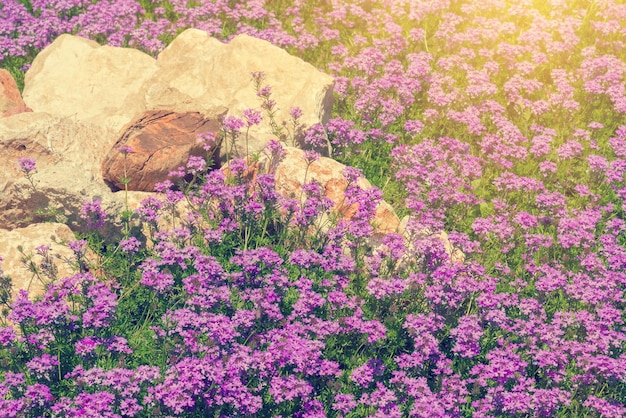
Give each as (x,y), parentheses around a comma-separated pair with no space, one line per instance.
(160,142)
(11,101)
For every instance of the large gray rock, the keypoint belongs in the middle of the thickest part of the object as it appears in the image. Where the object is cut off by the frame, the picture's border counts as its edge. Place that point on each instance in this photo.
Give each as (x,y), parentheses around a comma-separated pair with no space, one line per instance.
(68,157)
(76,77)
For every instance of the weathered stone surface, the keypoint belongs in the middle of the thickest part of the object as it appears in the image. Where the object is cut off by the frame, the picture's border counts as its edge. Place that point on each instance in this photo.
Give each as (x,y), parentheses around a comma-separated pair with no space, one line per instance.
(53,235)
(292,172)
(77,78)
(11,102)
(199,73)
(68,156)
(160,142)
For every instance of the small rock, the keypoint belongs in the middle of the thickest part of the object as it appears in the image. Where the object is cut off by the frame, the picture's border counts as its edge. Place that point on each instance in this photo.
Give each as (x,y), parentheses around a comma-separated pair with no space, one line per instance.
(292,172)
(456,255)
(11,102)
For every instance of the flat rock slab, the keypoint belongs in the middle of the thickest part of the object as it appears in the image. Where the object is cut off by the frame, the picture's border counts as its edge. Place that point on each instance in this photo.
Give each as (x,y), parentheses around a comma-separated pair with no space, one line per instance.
(159,142)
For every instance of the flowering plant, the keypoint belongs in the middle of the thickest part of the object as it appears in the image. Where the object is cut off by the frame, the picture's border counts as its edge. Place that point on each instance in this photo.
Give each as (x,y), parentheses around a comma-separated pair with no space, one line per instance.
(497,121)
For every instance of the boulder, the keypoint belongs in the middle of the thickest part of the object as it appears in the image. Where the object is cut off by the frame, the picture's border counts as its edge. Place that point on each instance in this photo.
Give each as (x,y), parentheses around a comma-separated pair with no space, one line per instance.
(11,102)
(27,267)
(159,142)
(75,77)
(68,156)
(199,73)
(292,172)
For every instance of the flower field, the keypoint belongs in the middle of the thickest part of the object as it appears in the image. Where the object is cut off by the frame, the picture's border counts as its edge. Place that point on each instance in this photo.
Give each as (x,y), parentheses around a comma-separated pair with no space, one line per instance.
(500,122)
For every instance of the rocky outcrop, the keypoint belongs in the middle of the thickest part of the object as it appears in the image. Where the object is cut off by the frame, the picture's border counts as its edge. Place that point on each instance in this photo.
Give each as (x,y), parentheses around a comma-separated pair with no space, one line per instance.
(75,77)
(153,145)
(82,96)
(11,102)
(92,105)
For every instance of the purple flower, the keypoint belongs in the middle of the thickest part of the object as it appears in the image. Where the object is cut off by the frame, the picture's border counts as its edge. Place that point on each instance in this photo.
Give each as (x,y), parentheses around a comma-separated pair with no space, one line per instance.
(232,124)
(288,388)
(87,345)
(344,403)
(311,156)
(265,92)
(42,365)
(352,174)
(364,374)
(78,247)
(125,149)
(196,165)
(7,336)
(208,139)
(467,335)
(130,245)
(252,117)
(38,394)
(93,214)
(27,165)
(118,345)
(295,112)
(315,136)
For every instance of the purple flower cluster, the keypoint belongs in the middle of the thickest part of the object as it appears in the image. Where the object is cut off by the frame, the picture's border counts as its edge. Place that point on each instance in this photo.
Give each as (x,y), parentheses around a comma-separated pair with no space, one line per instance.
(503,121)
